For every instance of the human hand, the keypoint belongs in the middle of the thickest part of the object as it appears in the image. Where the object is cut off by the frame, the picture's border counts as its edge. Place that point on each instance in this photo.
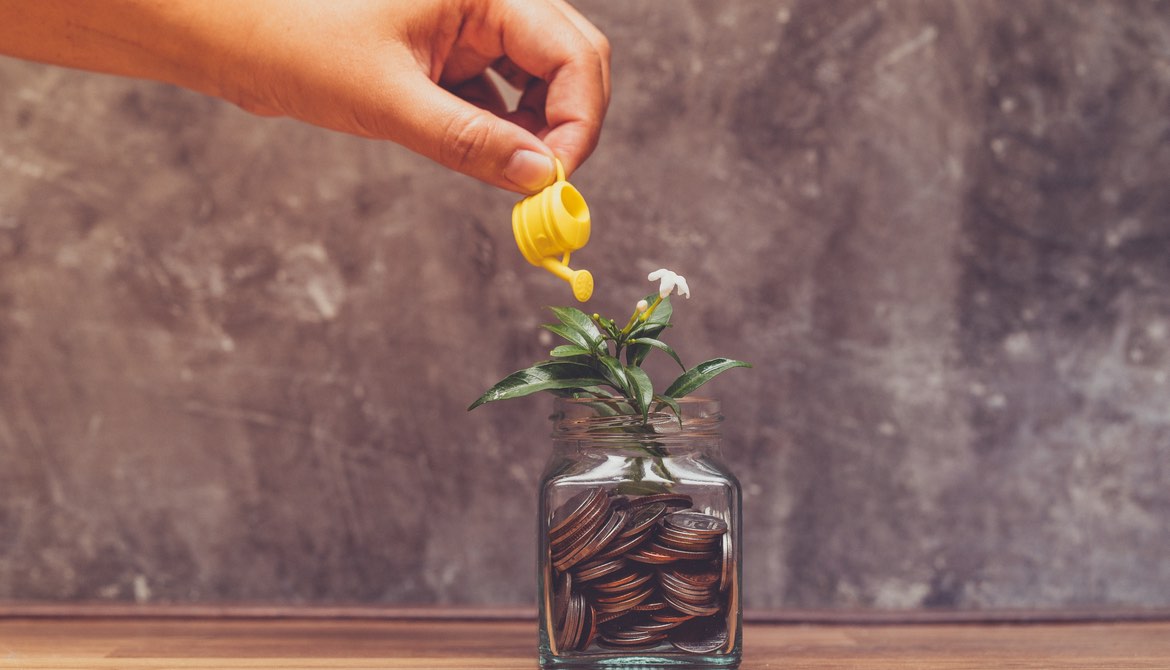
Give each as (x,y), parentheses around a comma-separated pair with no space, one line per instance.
(410,71)
(414,72)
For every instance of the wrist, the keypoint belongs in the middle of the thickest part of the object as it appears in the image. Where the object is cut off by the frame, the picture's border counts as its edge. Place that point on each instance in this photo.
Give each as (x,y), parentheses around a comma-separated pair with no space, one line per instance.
(207,48)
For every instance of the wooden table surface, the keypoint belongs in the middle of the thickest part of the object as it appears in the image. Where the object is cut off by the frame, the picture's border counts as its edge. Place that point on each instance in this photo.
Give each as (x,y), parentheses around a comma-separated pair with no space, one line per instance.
(295,644)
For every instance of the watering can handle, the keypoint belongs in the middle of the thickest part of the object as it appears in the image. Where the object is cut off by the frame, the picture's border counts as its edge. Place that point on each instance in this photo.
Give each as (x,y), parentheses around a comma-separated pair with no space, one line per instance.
(560,169)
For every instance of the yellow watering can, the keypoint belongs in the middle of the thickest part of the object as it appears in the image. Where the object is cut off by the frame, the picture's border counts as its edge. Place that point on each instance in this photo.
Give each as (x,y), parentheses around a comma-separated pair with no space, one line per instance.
(549,226)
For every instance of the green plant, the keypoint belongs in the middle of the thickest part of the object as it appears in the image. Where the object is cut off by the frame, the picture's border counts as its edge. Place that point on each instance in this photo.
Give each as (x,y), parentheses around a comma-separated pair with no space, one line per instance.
(600,360)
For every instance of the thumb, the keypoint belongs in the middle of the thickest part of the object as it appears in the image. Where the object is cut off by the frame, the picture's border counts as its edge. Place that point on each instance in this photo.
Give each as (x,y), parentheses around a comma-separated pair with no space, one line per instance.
(465,138)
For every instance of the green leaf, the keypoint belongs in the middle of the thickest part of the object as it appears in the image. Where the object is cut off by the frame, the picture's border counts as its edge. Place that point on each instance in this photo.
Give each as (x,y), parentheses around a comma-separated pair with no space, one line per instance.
(611,369)
(642,388)
(672,404)
(566,350)
(579,321)
(582,392)
(657,344)
(701,374)
(569,334)
(607,407)
(543,376)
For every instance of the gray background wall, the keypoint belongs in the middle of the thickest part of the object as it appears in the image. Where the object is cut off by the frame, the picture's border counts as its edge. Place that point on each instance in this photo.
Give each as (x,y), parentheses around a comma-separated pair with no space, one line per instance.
(235,353)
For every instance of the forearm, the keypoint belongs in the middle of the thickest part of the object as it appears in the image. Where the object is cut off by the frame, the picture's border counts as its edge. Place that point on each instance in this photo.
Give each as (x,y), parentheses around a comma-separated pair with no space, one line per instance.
(177,41)
(413,72)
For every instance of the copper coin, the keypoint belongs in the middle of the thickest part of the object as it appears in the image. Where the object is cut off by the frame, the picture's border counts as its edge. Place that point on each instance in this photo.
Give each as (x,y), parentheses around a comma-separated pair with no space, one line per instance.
(579,541)
(586,538)
(709,548)
(595,543)
(671,615)
(621,580)
(561,600)
(625,585)
(588,628)
(581,538)
(566,513)
(684,535)
(595,507)
(573,541)
(657,549)
(700,636)
(646,640)
(685,540)
(620,596)
(655,626)
(679,588)
(613,529)
(627,637)
(697,603)
(688,608)
(606,617)
(598,568)
(583,621)
(698,578)
(650,555)
(671,500)
(643,518)
(623,633)
(585,525)
(695,600)
(630,602)
(567,636)
(651,606)
(622,545)
(696,523)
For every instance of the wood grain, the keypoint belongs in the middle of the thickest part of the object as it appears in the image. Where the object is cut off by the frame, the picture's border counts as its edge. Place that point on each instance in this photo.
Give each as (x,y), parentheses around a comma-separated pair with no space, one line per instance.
(235,351)
(836,616)
(206,644)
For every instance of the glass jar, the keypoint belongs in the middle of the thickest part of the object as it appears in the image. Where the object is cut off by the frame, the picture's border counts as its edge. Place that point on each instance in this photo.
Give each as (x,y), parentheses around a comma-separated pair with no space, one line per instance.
(638,539)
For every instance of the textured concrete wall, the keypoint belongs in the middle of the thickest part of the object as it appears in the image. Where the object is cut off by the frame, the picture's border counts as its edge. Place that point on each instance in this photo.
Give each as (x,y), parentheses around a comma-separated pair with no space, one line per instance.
(235,353)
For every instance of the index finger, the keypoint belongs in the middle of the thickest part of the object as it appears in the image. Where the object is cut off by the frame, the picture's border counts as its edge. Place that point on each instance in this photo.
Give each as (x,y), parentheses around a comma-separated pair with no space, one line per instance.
(595,37)
(540,39)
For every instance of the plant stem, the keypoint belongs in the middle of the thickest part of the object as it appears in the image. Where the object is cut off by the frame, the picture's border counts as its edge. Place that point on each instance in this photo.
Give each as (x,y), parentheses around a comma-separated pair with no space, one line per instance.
(650,309)
(635,317)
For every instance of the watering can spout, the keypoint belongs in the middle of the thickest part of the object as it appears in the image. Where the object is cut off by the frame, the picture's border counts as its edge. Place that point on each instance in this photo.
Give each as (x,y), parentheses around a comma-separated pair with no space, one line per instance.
(580,280)
(550,225)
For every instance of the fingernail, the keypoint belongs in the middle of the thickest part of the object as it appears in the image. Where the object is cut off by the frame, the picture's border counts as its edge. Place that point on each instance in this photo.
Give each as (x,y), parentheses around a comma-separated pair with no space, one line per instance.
(529,170)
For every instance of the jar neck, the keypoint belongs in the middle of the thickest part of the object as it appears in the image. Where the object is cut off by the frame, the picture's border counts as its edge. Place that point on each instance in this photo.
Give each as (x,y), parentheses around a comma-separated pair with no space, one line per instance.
(614,424)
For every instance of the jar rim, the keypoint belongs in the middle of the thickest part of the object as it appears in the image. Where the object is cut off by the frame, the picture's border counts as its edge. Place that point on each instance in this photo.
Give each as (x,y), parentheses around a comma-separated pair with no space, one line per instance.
(698,416)
(688,400)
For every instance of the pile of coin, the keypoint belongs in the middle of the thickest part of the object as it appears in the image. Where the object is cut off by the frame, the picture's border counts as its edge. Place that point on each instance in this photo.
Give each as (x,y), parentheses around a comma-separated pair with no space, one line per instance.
(631,573)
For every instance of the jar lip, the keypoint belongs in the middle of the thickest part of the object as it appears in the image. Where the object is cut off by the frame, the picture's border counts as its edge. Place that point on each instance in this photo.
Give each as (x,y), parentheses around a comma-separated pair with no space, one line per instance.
(688,401)
(616,418)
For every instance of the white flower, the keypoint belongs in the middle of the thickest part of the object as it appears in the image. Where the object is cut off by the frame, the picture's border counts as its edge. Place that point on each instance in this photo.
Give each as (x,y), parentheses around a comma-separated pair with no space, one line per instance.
(642,306)
(669,281)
